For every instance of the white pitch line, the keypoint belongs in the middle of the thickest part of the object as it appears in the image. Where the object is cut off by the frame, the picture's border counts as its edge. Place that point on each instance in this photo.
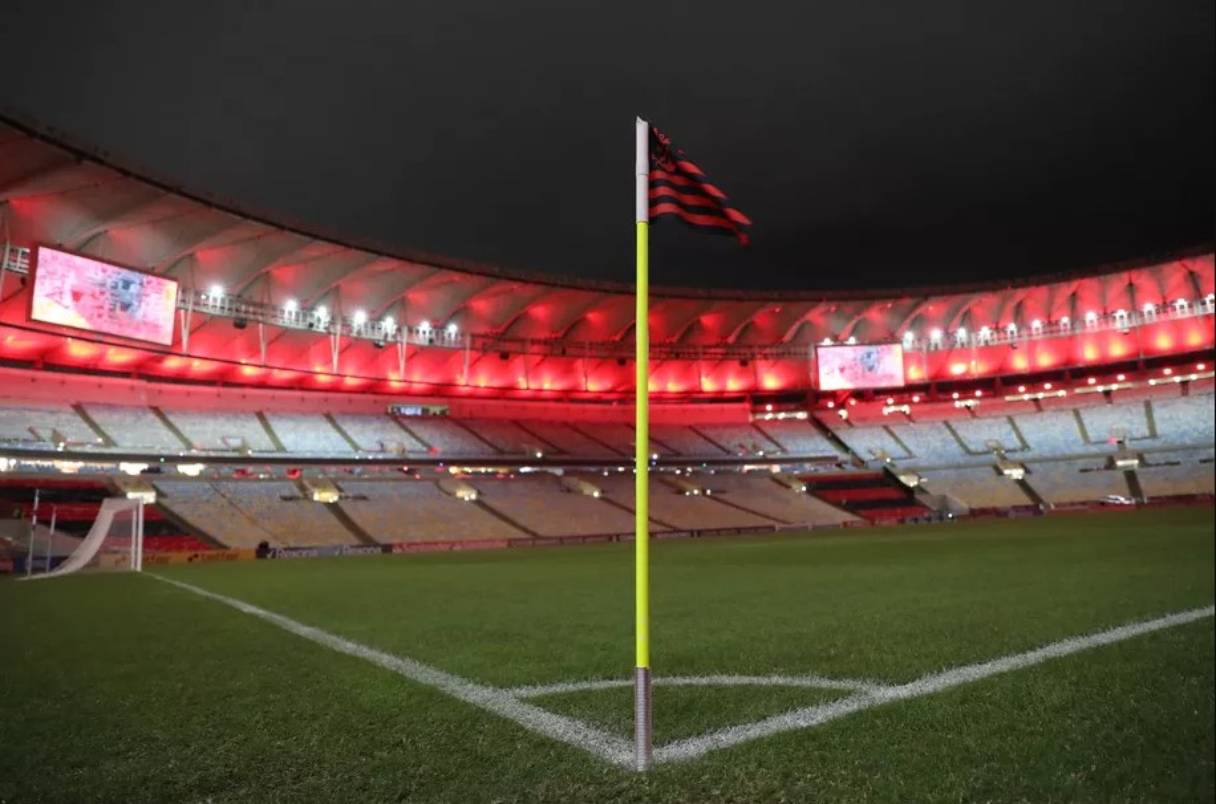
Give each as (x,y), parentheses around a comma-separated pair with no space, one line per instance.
(557,727)
(695,747)
(817,682)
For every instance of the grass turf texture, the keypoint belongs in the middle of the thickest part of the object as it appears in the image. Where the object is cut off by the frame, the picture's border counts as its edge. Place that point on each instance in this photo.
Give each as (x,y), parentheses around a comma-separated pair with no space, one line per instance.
(122,688)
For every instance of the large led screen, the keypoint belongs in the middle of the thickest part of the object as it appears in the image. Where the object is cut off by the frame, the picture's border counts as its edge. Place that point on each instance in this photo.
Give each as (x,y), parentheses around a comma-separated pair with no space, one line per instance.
(871,366)
(84,293)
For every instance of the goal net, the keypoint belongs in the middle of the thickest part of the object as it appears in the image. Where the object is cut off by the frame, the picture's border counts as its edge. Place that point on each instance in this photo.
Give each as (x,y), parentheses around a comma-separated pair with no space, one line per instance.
(115,542)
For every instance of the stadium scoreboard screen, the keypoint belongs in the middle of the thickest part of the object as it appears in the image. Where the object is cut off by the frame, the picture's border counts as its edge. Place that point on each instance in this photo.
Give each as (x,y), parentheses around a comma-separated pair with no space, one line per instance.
(83,293)
(866,366)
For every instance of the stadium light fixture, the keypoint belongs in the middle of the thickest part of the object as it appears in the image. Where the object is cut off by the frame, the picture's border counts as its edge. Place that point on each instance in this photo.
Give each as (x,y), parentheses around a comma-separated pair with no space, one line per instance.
(1021,389)
(291,306)
(961,333)
(360,317)
(827,341)
(452,329)
(1036,325)
(1201,366)
(216,292)
(424,325)
(915,397)
(1047,386)
(909,337)
(851,340)
(954,395)
(322,312)
(1121,377)
(978,392)
(389,323)
(1168,371)
(1065,321)
(831,404)
(1150,308)
(890,400)
(935,335)
(1091,381)
(852,402)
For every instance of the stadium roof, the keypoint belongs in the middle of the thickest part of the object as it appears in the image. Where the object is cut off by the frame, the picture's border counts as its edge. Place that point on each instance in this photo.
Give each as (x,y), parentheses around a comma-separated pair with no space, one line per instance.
(56,194)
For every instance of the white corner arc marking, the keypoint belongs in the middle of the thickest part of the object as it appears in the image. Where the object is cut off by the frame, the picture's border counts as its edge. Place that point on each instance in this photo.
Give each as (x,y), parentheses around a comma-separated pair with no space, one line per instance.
(508,703)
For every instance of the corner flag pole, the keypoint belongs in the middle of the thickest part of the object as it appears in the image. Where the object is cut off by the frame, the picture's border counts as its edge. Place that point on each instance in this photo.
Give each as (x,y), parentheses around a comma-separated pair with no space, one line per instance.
(641,457)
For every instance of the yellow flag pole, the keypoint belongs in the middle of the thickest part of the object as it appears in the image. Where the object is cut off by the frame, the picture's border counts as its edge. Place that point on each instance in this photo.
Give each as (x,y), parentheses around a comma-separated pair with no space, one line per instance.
(643,743)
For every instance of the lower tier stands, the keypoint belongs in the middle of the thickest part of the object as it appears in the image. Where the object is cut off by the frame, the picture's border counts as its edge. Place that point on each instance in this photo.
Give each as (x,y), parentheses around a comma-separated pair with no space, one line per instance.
(1183,472)
(242,514)
(979,487)
(1075,481)
(418,510)
(543,506)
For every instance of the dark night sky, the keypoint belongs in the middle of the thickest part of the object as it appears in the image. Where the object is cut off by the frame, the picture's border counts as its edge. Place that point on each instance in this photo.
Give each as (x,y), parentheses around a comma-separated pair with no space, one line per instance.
(873,144)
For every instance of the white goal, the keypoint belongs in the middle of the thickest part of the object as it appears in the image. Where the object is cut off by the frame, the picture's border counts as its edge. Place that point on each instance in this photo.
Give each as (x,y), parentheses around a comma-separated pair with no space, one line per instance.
(115,542)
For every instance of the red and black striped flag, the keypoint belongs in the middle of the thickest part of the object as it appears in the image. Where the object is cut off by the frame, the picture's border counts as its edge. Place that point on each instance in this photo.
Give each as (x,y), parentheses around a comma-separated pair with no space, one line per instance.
(678,187)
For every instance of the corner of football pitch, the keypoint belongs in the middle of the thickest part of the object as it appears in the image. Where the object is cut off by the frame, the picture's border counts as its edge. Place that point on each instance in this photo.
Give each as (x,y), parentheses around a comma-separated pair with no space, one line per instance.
(1068,657)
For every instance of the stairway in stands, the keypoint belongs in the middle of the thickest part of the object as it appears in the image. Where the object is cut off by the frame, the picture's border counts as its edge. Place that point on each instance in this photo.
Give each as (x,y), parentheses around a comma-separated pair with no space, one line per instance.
(876,496)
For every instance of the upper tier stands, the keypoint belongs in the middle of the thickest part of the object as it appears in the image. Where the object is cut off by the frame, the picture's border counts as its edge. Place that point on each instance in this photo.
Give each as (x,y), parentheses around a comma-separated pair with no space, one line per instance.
(378,433)
(307,434)
(569,440)
(798,437)
(134,427)
(446,438)
(222,430)
(739,439)
(37,426)
(944,437)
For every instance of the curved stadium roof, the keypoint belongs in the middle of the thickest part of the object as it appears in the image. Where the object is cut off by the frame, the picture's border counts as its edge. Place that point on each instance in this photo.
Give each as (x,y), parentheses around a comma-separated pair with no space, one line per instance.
(55,194)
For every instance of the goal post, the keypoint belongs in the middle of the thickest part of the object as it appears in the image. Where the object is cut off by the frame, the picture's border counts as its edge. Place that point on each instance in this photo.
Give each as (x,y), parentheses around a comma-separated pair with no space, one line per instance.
(114,543)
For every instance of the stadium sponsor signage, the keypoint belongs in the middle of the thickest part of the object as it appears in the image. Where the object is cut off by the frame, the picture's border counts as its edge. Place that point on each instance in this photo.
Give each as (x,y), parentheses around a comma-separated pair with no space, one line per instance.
(439,547)
(862,366)
(75,291)
(325,550)
(200,556)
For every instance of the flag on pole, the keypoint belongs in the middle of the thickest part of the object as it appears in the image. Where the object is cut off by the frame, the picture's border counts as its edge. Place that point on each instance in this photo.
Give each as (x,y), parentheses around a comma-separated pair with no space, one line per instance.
(681,189)
(667,183)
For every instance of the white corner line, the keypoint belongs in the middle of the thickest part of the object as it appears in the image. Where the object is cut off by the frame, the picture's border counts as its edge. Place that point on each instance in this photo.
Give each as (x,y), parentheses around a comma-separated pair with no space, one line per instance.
(692,748)
(570,731)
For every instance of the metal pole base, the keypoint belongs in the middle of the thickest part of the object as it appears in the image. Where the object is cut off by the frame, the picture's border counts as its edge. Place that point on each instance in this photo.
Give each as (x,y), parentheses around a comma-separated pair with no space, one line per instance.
(643,743)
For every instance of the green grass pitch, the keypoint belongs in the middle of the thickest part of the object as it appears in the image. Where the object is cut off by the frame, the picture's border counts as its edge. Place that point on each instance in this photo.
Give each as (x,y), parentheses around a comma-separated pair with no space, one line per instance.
(124,688)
